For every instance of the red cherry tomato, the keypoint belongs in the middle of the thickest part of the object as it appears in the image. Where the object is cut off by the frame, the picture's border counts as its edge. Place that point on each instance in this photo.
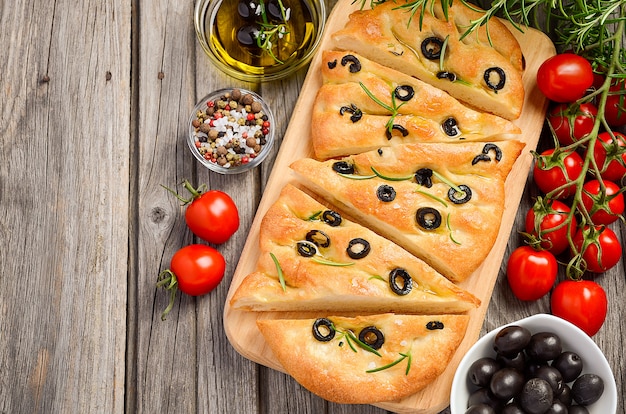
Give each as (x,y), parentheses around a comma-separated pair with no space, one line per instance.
(554,170)
(213,216)
(604,207)
(531,273)
(610,155)
(582,303)
(615,109)
(542,221)
(195,270)
(565,77)
(571,122)
(599,246)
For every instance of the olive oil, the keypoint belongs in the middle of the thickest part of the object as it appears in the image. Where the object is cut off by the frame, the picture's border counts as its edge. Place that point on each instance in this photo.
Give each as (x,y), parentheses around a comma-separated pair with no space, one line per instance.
(231,35)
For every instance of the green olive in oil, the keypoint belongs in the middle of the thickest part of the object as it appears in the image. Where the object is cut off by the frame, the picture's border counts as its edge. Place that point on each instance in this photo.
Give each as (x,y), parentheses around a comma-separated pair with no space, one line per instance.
(234,34)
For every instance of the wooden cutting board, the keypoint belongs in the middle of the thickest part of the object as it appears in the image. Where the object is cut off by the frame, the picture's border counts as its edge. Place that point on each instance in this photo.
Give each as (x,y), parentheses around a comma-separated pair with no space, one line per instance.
(240,326)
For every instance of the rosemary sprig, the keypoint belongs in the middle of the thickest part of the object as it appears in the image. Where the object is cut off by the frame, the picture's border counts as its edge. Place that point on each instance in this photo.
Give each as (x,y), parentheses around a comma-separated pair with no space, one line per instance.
(279,270)
(403,356)
(270,33)
(393,109)
(350,337)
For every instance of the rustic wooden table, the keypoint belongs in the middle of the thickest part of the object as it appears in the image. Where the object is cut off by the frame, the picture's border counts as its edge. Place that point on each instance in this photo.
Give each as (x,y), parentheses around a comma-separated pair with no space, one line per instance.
(94,107)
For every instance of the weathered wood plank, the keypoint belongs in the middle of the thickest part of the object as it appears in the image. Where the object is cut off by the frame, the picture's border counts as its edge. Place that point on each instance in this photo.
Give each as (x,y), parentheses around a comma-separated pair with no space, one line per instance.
(64,161)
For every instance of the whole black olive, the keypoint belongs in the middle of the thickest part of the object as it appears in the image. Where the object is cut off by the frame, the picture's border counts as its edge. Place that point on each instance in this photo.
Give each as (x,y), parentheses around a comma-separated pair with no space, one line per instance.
(484,396)
(428,218)
(404,92)
(565,396)
(358,248)
(481,371)
(306,249)
(386,193)
(323,330)
(246,9)
(511,340)
(544,346)
(499,75)
(517,361)
(273,9)
(569,364)
(460,197)
(343,167)
(577,409)
(355,64)
(552,376)
(431,47)
(372,336)
(246,35)
(480,409)
(536,396)
(512,408)
(406,281)
(587,389)
(423,176)
(332,218)
(450,127)
(506,383)
(557,408)
(318,238)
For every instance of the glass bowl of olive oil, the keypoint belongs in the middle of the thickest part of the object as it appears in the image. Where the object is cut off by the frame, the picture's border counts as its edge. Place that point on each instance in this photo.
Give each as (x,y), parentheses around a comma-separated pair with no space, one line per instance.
(260,40)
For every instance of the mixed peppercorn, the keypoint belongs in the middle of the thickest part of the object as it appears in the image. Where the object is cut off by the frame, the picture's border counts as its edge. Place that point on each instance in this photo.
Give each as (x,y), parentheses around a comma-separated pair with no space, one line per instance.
(232,130)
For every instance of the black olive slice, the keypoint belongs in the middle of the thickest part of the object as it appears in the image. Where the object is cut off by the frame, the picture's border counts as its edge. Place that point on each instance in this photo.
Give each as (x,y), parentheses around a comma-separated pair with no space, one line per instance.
(446,75)
(386,193)
(306,249)
(432,325)
(428,218)
(357,114)
(332,218)
(450,127)
(493,147)
(423,176)
(323,330)
(480,158)
(343,167)
(318,238)
(396,127)
(380,151)
(355,64)
(431,47)
(499,74)
(358,248)
(460,197)
(407,281)
(332,64)
(372,336)
(404,92)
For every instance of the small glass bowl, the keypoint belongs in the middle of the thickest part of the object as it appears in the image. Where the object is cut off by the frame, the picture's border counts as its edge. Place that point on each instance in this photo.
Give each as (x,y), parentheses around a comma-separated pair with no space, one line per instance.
(217,33)
(223,143)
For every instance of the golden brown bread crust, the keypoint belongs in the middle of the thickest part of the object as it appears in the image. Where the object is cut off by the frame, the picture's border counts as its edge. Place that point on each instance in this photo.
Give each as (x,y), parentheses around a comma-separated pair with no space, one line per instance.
(466,232)
(362,286)
(337,373)
(388,35)
(335,132)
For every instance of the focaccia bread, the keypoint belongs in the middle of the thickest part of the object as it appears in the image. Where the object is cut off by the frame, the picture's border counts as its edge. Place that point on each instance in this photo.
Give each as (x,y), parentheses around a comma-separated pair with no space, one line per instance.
(324,356)
(441,202)
(484,69)
(323,267)
(360,100)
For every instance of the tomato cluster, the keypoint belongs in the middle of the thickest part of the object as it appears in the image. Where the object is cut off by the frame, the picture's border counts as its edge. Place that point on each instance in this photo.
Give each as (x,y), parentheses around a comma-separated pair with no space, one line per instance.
(197,269)
(581,179)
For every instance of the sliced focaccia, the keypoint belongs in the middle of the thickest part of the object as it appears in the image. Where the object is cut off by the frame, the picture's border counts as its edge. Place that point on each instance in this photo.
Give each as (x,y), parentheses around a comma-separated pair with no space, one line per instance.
(441,202)
(351,360)
(313,259)
(363,105)
(483,69)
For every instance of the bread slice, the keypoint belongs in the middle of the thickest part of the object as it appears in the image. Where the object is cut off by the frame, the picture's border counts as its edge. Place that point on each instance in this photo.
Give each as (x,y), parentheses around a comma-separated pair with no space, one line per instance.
(484,69)
(340,370)
(441,202)
(387,279)
(359,97)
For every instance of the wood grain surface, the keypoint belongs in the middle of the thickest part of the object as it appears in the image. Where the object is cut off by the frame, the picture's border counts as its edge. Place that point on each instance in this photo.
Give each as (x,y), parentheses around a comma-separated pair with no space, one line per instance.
(94,100)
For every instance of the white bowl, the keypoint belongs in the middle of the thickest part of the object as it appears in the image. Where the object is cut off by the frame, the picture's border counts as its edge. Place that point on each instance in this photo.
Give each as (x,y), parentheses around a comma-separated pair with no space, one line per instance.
(572,339)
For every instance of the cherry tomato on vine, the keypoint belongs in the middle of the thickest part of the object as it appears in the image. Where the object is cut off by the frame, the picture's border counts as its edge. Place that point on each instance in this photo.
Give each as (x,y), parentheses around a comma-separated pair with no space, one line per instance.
(604,207)
(554,169)
(571,122)
(581,302)
(195,269)
(615,108)
(599,246)
(531,273)
(542,221)
(610,152)
(565,77)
